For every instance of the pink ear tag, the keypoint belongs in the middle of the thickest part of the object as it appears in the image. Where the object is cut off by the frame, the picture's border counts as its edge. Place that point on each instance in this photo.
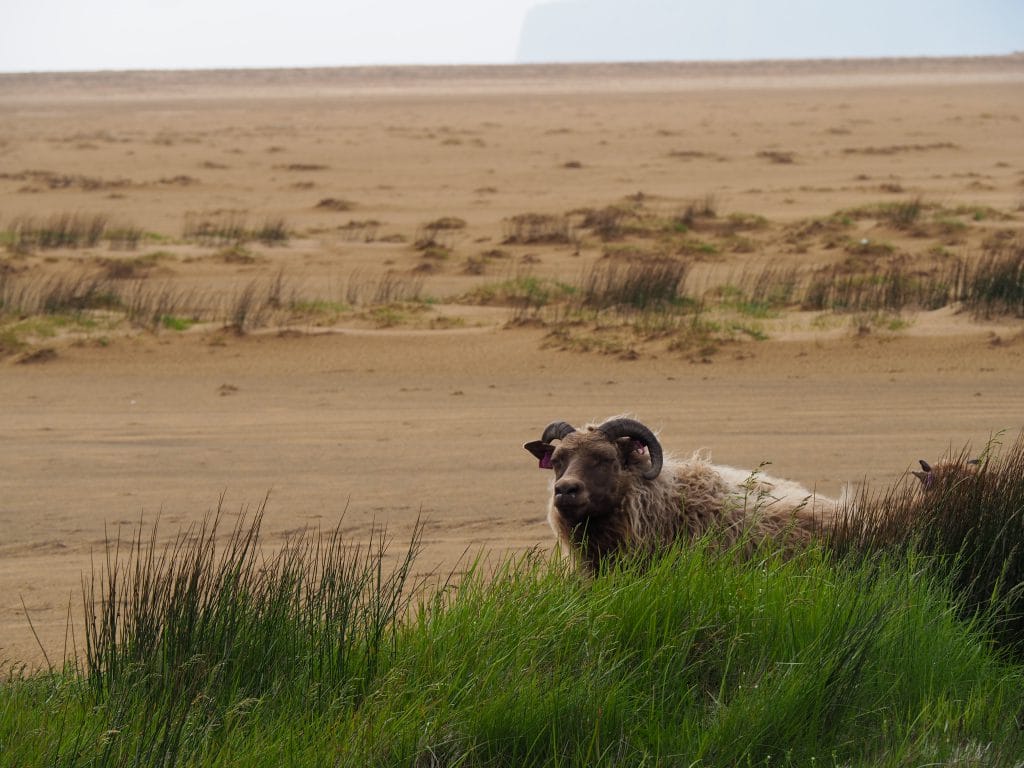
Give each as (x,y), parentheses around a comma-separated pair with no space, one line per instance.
(545,460)
(639,447)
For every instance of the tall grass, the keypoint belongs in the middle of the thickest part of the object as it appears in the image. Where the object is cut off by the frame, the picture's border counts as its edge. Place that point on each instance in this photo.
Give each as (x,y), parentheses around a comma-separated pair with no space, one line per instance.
(68,230)
(144,303)
(995,286)
(385,288)
(231,227)
(214,614)
(971,523)
(185,642)
(61,230)
(637,284)
(894,289)
(56,294)
(209,651)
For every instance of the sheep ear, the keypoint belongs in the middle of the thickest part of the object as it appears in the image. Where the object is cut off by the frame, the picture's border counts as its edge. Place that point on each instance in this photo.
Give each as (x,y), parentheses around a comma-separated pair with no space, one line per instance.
(632,449)
(542,451)
(922,476)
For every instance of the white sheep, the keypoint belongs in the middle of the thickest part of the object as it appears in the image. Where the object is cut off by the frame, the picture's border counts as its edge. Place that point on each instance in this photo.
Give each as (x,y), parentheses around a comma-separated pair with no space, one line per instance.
(615,493)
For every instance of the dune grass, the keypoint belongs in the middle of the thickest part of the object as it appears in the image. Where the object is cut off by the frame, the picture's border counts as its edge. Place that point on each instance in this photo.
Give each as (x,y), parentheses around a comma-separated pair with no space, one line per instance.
(232,227)
(211,651)
(970,524)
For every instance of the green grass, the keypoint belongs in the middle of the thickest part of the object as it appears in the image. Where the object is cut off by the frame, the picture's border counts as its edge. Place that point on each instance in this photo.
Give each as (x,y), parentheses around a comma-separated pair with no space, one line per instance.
(972,526)
(525,294)
(207,651)
(176,323)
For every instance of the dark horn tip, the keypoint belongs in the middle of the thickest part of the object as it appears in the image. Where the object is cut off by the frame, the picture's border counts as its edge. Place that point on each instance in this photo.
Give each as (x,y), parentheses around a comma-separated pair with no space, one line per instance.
(557,430)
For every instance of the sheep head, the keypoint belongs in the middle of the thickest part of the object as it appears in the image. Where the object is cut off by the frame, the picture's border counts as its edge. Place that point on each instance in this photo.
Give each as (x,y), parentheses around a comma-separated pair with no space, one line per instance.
(941,474)
(595,467)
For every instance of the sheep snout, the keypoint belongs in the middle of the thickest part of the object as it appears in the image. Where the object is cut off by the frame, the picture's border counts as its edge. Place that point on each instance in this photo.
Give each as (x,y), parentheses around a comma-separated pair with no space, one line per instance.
(568,494)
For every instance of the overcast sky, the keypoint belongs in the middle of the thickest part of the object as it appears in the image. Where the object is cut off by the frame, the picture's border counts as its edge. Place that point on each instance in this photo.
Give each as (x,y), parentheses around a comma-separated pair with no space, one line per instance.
(55,35)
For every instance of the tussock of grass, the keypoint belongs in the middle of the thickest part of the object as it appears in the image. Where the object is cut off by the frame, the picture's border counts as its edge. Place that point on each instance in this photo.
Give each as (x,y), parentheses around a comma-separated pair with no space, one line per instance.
(532,228)
(207,652)
(231,227)
(995,286)
(971,523)
(892,289)
(335,204)
(142,302)
(360,230)
(646,284)
(387,288)
(526,294)
(63,230)
(608,223)
(221,228)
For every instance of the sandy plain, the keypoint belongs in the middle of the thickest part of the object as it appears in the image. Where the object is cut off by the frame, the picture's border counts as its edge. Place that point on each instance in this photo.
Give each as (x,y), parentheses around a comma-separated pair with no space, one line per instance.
(348,408)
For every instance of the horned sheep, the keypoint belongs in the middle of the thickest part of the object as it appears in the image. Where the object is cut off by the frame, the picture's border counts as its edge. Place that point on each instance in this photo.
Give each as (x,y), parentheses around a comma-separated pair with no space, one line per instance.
(945,473)
(615,492)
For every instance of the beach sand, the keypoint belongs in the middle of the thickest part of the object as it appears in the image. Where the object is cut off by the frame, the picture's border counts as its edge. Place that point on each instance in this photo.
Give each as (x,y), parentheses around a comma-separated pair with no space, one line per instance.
(389,413)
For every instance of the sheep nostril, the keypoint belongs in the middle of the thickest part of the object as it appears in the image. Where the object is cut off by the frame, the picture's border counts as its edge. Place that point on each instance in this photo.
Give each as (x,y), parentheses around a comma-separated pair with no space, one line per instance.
(568,488)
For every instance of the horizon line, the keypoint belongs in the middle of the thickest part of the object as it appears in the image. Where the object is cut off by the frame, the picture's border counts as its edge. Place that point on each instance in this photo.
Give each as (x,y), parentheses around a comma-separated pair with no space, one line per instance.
(1018,54)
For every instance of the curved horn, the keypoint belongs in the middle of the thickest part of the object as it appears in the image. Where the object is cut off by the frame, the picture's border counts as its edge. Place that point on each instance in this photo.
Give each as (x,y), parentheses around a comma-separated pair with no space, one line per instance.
(557,430)
(613,429)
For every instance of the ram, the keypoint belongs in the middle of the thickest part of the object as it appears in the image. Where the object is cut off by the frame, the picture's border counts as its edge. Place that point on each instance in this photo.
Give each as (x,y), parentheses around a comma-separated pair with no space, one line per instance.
(614,493)
(946,474)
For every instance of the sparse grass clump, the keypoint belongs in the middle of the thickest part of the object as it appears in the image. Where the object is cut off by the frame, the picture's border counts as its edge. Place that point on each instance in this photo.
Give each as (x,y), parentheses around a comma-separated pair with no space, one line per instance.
(525,294)
(335,204)
(364,230)
(608,223)
(220,228)
(779,157)
(62,230)
(387,288)
(695,213)
(231,228)
(436,236)
(59,294)
(892,289)
(533,228)
(636,284)
(995,285)
(273,231)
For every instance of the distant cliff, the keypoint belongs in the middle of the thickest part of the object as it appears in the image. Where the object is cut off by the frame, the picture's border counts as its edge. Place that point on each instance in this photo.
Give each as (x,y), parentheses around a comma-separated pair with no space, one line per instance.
(657,30)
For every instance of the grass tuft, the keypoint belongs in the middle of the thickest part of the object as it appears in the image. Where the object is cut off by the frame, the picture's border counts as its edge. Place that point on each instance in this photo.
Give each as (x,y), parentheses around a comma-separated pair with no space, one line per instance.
(970,523)
(533,228)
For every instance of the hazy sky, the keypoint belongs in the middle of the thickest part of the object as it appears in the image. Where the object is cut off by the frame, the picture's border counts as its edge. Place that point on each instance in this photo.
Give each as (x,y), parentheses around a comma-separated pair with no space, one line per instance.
(47,35)
(159,34)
